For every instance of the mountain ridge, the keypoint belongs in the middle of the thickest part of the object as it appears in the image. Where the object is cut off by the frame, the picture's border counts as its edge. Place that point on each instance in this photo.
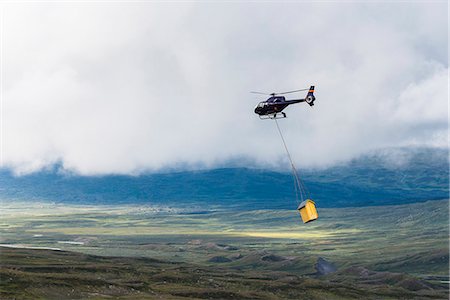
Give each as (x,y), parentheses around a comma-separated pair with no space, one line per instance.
(368,180)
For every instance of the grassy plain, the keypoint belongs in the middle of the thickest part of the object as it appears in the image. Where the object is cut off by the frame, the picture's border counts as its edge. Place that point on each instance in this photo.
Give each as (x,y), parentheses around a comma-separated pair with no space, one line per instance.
(386,252)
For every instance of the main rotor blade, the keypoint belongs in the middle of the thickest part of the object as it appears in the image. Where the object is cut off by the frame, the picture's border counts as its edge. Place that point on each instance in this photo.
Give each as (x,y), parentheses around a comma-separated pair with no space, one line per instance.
(260,93)
(291,92)
(273,94)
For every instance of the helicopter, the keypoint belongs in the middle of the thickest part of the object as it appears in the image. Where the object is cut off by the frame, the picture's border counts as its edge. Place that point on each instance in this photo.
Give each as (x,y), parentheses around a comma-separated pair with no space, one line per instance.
(273,107)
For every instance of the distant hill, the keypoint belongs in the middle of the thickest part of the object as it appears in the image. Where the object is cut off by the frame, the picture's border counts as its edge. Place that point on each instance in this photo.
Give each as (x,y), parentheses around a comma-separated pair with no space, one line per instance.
(374,179)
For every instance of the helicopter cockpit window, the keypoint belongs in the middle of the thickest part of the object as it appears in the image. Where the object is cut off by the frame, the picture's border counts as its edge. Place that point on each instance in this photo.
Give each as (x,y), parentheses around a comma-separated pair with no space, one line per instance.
(261,104)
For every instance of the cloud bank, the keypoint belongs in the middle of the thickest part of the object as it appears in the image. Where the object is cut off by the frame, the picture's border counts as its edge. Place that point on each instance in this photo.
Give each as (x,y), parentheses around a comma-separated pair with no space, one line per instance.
(127,88)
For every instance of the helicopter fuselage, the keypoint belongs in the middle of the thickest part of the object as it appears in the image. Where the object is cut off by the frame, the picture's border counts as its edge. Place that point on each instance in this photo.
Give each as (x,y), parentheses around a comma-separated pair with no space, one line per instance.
(274,105)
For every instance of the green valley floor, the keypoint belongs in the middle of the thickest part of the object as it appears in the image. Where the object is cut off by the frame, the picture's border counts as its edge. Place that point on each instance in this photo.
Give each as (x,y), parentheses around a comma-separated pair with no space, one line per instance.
(57,251)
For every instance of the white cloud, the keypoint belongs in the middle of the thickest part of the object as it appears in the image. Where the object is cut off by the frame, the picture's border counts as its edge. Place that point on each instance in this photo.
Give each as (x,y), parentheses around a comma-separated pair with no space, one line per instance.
(126,88)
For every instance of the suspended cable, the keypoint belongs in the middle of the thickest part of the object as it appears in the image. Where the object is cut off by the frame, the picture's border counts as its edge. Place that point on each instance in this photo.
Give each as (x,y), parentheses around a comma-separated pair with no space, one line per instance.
(300,188)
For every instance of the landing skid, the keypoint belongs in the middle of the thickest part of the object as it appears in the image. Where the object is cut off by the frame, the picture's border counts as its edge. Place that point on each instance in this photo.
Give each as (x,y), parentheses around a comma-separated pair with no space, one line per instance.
(273,116)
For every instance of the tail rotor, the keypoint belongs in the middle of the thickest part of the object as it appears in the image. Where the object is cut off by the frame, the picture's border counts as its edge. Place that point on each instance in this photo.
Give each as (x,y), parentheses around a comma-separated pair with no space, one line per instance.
(310,98)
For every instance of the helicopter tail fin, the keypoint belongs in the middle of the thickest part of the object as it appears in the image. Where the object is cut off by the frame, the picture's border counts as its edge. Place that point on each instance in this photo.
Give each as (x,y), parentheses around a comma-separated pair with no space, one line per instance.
(310,96)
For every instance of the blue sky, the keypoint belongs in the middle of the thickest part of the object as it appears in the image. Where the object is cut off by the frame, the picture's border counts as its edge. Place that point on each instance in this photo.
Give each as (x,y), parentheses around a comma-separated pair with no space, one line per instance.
(130,87)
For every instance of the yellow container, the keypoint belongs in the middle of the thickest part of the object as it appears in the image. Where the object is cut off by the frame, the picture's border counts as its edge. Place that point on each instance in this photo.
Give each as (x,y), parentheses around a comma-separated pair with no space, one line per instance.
(308,211)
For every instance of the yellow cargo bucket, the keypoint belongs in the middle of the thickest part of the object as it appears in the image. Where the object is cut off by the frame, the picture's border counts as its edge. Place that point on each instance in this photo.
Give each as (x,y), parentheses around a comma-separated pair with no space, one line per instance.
(308,211)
